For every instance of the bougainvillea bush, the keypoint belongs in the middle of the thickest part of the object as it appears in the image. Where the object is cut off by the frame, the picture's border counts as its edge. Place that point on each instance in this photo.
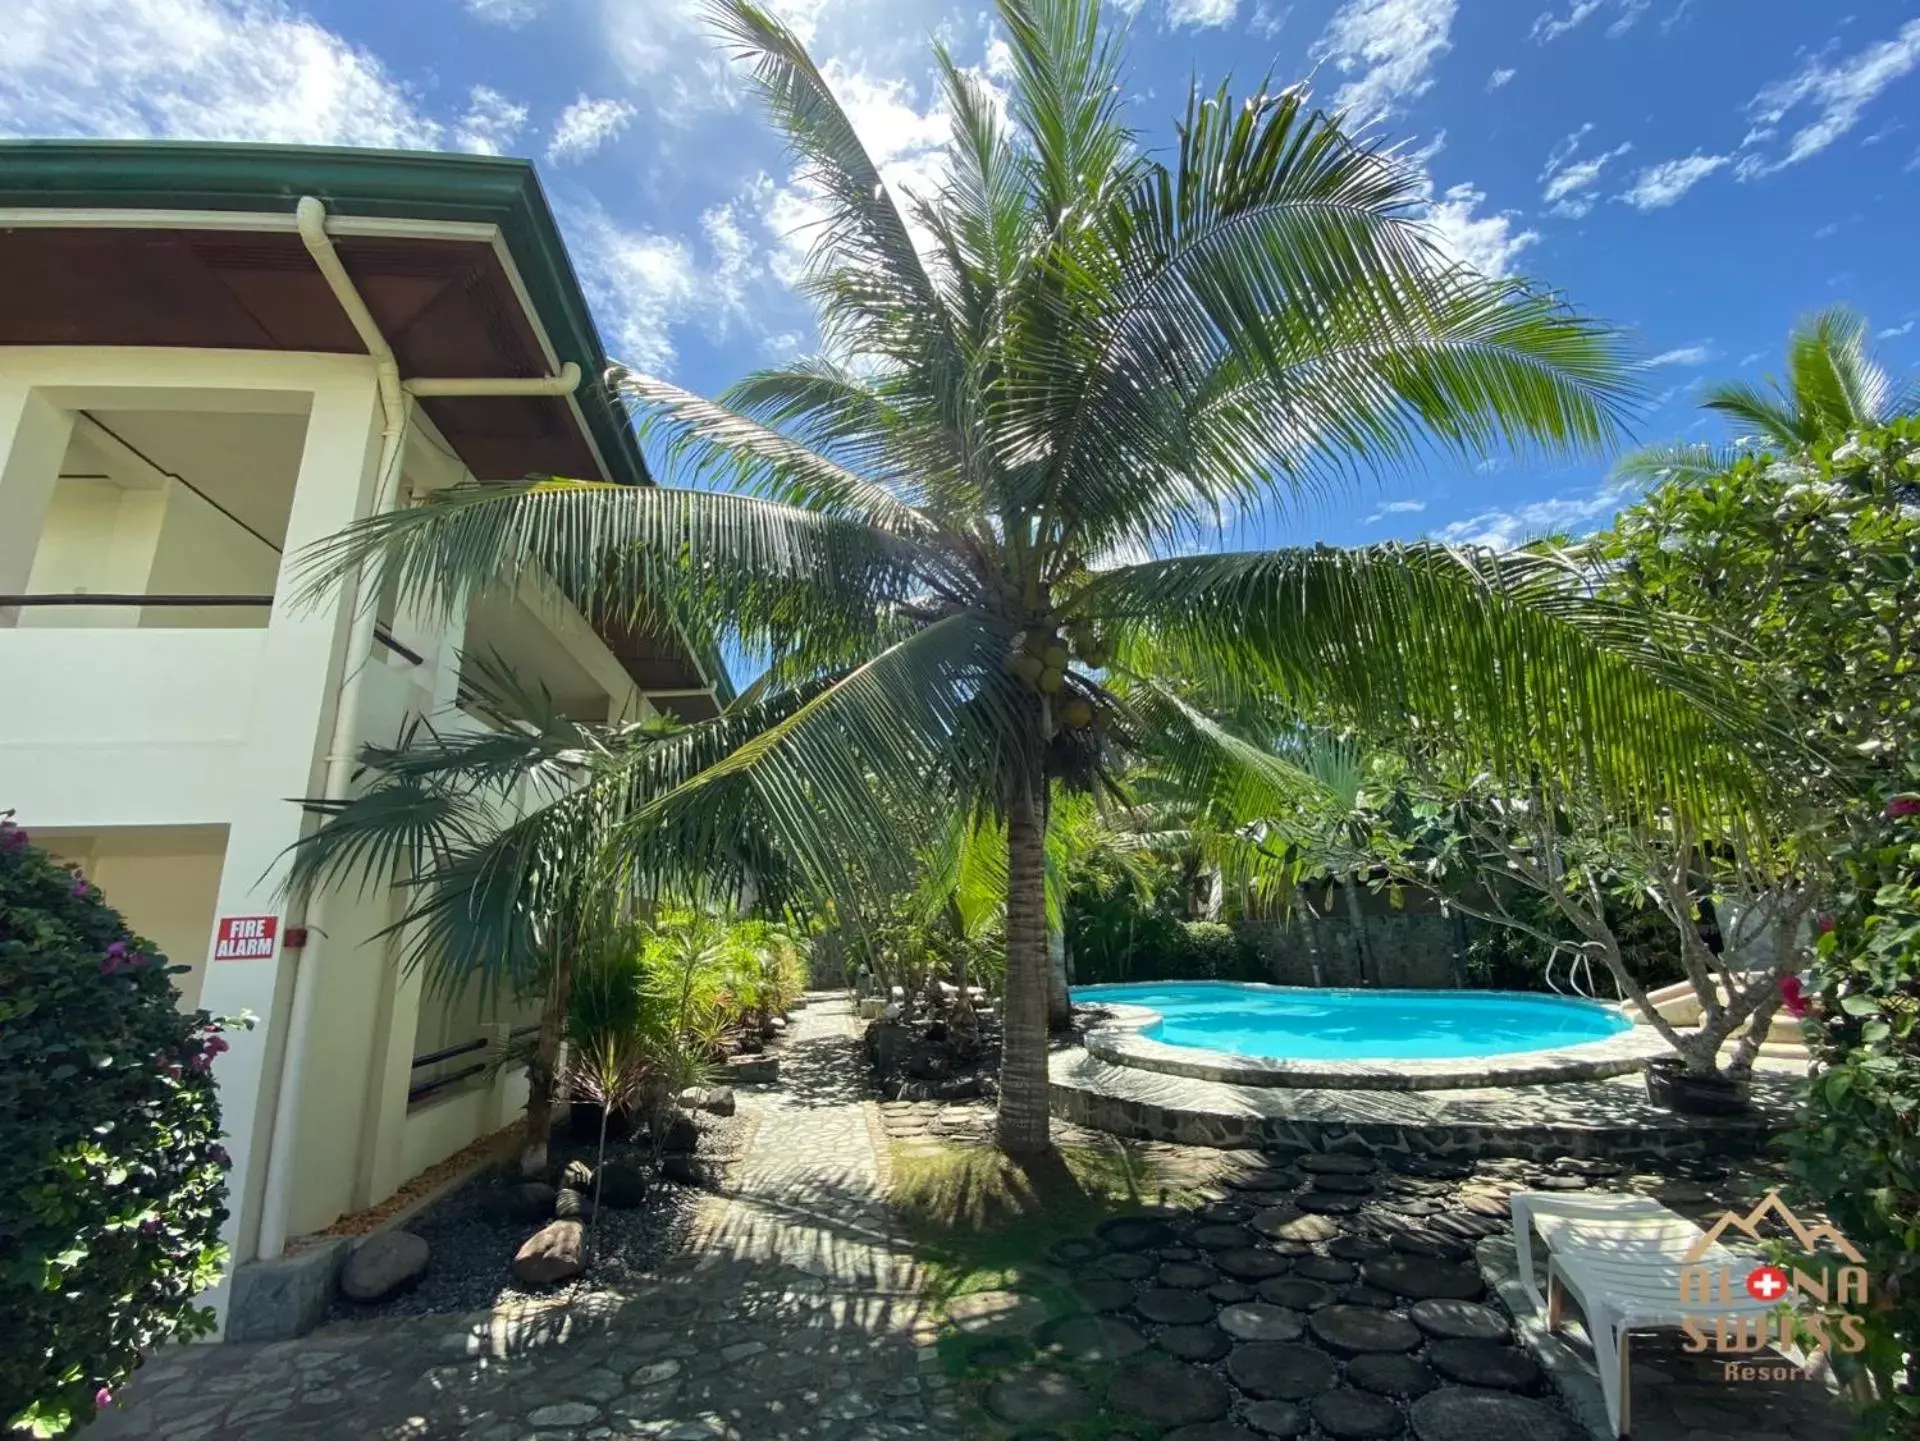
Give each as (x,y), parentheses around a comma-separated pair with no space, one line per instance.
(112,1176)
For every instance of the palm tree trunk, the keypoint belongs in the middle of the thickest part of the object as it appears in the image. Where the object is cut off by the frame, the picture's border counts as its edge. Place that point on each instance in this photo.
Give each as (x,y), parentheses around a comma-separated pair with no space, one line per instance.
(541,1071)
(1023,1124)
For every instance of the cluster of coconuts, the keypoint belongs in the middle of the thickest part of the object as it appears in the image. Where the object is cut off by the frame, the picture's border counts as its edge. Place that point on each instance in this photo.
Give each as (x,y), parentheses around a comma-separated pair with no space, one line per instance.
(1041,661)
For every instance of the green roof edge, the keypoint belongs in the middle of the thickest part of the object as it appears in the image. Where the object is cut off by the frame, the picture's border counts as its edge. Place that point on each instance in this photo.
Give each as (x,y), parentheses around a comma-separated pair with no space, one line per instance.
(384,184)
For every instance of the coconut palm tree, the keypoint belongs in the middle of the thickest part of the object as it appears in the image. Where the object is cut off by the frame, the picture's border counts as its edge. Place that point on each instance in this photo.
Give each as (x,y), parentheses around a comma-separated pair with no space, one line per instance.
(1045,382)
(1833,385)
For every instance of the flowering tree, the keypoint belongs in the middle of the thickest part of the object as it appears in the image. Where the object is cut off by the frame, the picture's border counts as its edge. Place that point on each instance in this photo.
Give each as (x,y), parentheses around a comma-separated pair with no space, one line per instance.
(112,1177)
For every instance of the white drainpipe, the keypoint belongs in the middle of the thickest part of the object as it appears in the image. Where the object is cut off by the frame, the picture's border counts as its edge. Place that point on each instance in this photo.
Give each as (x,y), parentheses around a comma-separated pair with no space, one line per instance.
(395,398)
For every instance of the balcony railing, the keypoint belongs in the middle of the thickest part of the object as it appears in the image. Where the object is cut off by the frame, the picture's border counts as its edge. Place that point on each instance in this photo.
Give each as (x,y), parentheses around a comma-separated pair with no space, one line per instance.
(382,636)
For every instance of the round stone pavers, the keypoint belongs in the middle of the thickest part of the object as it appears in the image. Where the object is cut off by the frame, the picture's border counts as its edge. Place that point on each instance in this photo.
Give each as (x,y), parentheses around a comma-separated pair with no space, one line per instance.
(1258,1321)
(1186,1275)
(1036,1397)
(1166,1307)
(1290,1223)
(1211,1431)
(1135,1233)
(1281,1370)
(1465,1413)
(1349,1415)
(1484,1363)
(1356,1330)
(1250,1263)
(1390,1375)
(1127,1266)
(1296,1293)
(1325,1163)
(1194,1343)
(1090,1340)
(1277,1418)
(1324,1268)
(1220,1237)
(1231,1293)
(1328,1203)
(1423,1278)
(1103,1293)
(1350,1185)
(1170,1393)
(1459,1321)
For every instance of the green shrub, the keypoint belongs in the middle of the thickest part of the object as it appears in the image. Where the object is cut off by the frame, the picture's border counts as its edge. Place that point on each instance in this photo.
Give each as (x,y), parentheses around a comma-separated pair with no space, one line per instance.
(1213,952)
(111,1170)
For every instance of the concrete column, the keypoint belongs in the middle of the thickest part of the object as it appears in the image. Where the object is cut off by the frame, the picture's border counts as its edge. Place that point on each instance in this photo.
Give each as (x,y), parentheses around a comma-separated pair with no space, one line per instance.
(382,1165)
(34,435)
(290,724)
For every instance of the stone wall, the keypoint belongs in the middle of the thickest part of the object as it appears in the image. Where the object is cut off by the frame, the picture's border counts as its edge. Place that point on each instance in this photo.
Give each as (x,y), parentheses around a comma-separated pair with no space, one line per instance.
(1414,947)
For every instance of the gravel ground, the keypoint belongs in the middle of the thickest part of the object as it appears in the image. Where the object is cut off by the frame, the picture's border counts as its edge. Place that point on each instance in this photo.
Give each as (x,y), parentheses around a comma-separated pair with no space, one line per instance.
(471,1252)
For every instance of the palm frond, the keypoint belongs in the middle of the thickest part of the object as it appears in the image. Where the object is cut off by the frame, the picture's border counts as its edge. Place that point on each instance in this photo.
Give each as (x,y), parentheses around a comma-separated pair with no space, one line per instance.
(1681,464)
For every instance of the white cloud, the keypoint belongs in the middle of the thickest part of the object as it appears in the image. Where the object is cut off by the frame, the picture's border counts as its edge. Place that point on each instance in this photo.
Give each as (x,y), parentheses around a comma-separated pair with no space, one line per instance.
(200,70)
(1894,331)
(1570,187)
(1548,27)
(1397,507)
(1486,243)
(1268,22)
(1500,77)
(1201,13)
(1683,355)
(585,126)
(1504,529)
(509,13)
(1752,357)
(1836,94)
(640,284)
(491,124)
(1660,185)
(999,60)
(1394,42)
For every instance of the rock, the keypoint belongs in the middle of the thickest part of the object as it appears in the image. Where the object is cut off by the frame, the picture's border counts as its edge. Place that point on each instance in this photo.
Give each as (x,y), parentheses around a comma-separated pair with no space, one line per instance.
(960,1088)
(1328,1203)
(1350,1185)
(1128,1266)
(1459,1321)
(621,1185)
(1035,1397)
(1173,1308)
(1074,1251)
(680,1137)
(553,1253)
(1281,1370)
(752,1070)
(1211,1431)
(1276,1418)
(1361,1294)
(577,1176)
(1492,1204)
(996,1313)
(521,1204)
(1225,1213)
(1356,1248)
(1135,1233)
(1387,1375)
(714,1100)
(1252,1264)
(1090,1340)
(1419,1241)
(1263,1178)
(1295,1293)
(1194,1343)
(682,1170)
(386,1263)
(1349,1415)
(1324,1268)
(1258,1321)
(1223,1237)
(1561,1183)
(1462,1413)
(1423,1279)
(1178,1253)
(1289,1224)
(1355,1330)
(1187,1276)
(572,1205)
(1320,1163)
(1103,1293)
(1484,1363)
(1170,1393)
(1230,1293)
(563,1413)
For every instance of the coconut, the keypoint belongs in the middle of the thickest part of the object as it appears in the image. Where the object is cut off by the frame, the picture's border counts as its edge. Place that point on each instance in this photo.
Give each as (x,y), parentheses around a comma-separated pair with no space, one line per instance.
(1027,667)
(1055,656)
(1051,679)
(1077,712)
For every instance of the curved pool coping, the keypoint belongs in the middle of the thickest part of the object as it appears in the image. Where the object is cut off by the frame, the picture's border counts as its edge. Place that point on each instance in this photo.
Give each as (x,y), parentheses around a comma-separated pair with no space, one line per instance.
(1117,1040)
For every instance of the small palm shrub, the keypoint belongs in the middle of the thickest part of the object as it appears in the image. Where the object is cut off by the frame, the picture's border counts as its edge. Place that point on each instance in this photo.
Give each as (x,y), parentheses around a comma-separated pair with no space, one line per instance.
(112,1177)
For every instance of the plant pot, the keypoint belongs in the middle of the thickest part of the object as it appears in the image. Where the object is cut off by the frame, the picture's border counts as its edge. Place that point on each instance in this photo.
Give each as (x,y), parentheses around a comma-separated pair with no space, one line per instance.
(1670,1086)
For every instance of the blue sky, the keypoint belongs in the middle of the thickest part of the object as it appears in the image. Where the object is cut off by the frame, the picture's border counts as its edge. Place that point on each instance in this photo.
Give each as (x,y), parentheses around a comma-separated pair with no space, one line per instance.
(1699,171)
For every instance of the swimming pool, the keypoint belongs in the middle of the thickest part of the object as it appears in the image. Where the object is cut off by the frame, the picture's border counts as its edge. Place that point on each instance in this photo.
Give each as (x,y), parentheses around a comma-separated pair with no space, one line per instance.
(1311,1024)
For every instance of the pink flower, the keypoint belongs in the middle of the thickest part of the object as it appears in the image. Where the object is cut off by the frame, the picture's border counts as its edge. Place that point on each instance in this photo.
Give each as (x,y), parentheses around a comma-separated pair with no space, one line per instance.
(1824,925)
(78,890)
(201,1063)
(1794,995)
(1900,807)
(103,1398)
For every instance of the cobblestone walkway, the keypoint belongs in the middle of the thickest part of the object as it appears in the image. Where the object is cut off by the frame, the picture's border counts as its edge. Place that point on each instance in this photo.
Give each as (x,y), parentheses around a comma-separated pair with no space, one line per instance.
(793,1316)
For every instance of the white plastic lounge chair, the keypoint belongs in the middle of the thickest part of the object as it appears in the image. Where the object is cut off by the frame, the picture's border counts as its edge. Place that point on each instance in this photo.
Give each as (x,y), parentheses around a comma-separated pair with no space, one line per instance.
(1621,1257)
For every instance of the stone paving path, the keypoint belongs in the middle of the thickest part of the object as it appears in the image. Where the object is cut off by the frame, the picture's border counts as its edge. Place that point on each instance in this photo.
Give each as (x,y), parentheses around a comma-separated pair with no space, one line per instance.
(794,1315)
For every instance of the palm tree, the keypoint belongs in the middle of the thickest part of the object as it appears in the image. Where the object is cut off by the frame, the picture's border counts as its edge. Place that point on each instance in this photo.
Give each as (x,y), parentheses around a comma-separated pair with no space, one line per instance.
(1043,383)
(1833,386)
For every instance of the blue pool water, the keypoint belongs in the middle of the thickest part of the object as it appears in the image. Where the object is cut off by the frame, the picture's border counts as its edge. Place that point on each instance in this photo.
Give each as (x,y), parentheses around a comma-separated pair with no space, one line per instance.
(1301,1023)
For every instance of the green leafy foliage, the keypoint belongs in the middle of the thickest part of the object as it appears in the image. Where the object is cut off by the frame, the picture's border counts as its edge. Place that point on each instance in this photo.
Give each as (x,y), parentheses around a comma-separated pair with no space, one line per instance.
(112,1177)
